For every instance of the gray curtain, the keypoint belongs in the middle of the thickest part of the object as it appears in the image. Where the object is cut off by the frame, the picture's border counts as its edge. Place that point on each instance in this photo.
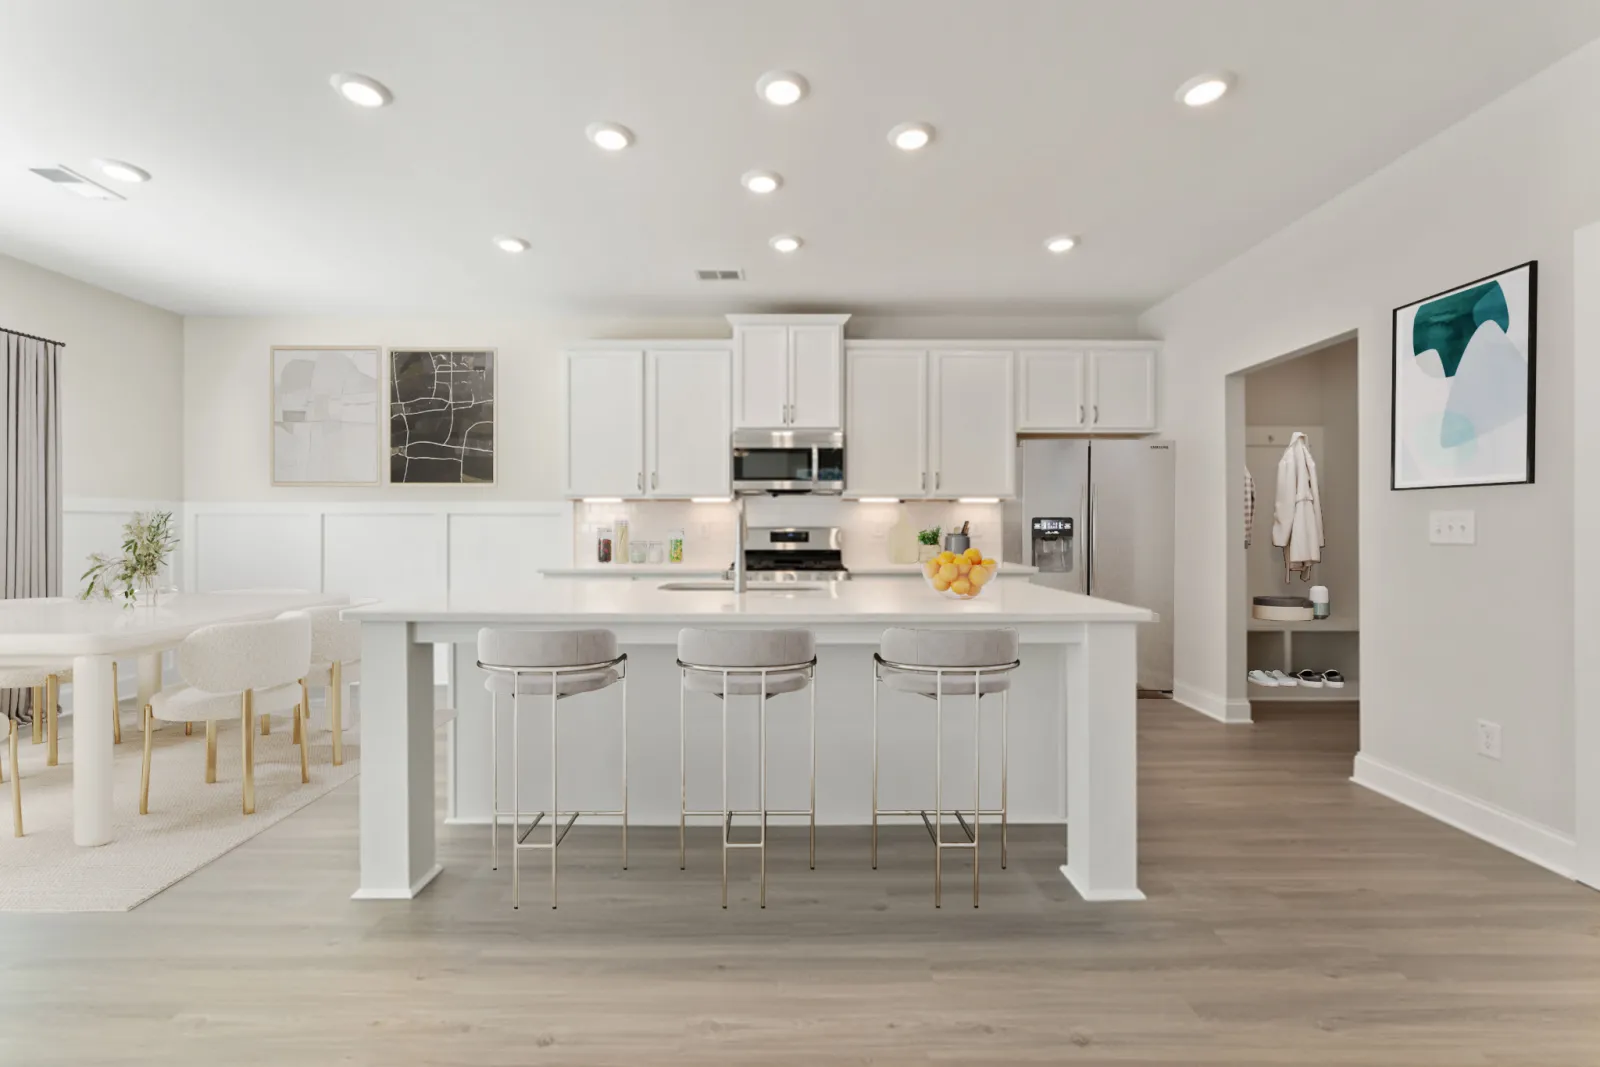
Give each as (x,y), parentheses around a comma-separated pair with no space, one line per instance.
(30,455)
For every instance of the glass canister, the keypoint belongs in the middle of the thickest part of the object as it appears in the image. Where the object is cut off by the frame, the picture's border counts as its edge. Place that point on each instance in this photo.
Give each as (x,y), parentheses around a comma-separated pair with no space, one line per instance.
(619,543)
(636,551)
(675,546)
(602,544)
(653,552)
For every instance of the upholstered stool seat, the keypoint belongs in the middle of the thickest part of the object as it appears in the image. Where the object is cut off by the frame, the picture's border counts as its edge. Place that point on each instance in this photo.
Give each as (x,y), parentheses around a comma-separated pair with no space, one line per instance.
(745,663)
(943,665)
(556,664)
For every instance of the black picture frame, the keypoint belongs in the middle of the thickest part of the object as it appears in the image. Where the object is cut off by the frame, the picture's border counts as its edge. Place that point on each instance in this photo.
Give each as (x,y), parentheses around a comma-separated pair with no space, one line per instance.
(1527,478)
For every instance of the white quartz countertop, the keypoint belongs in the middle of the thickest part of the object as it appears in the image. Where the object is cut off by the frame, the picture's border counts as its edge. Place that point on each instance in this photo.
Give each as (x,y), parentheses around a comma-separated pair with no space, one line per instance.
(687,570)
(877,600)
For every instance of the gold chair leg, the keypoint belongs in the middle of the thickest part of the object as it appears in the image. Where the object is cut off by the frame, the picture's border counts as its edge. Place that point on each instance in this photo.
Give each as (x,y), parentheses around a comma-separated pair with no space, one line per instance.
(305,766)
(52,704)
(16,781)
(116,709)
(247,719)
(266,725)
(148,718)
(37,733)
(211,752)
(297,731)
(188,729)
(336,710)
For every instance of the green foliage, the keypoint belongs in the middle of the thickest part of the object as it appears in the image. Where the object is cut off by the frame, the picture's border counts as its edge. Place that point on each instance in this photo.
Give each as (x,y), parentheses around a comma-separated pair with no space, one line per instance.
(929,536)
(147,541)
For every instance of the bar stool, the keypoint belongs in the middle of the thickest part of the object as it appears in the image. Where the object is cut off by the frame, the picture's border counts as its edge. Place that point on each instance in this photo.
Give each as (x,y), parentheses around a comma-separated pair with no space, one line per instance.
(760,664)
(554,664)
(939,664)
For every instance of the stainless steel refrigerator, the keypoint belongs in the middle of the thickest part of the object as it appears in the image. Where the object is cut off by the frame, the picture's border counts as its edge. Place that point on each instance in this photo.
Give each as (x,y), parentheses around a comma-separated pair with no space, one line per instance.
(1118,542)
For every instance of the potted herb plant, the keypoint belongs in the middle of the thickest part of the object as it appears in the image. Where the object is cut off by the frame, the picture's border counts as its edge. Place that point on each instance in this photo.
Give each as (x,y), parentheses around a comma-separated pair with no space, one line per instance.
(147,542)
(927,544)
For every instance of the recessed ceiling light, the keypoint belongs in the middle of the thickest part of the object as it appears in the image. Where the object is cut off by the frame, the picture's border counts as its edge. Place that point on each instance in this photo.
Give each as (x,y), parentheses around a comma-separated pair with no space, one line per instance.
(1205,88)
(781,87)
(910,136)
(760,181)
(511,244)
(1061,244)
(123,172)
(362,90)
(610,136)
(786,243)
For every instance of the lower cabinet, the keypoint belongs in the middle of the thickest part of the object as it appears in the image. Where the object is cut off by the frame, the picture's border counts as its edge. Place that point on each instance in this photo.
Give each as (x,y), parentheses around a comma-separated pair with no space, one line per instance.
(648,422)
(921,423)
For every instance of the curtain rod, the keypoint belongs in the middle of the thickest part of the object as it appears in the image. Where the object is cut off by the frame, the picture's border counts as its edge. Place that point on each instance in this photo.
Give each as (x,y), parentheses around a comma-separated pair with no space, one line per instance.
(33,337)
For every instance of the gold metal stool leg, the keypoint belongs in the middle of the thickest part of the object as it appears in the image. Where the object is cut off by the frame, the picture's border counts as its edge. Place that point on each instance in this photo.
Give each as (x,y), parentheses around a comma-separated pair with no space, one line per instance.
(247,721)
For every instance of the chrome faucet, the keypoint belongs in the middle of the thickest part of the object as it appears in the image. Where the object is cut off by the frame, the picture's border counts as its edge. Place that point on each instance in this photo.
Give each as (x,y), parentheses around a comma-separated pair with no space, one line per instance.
(740,530)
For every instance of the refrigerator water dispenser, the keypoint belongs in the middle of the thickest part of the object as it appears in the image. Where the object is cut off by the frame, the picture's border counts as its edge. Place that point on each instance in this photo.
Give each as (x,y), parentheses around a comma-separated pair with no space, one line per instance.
(1052,544)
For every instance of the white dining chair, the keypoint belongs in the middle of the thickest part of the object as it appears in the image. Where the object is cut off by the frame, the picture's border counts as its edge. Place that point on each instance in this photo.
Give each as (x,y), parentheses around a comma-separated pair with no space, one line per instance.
(237,668)
(266,720)
(335,663)
(45,684)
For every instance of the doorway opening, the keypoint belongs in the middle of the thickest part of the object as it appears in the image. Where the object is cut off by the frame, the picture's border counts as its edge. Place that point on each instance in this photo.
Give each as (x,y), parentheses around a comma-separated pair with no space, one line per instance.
(1295,649)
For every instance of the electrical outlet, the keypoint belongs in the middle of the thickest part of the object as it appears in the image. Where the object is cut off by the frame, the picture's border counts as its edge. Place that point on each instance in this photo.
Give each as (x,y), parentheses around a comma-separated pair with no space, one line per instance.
(1488,739)
(1452,527)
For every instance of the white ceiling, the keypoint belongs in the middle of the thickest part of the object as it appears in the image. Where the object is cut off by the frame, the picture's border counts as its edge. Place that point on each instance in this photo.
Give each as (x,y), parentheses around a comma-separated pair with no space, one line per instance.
(272,195)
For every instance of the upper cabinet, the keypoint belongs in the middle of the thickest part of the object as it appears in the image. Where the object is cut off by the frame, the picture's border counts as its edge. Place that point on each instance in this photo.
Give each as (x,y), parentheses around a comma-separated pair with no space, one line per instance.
(1086,388)
(788,371)
(648,422)
(929,423)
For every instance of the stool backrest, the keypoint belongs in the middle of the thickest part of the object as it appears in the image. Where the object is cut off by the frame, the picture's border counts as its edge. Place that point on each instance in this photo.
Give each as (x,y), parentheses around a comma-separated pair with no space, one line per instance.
(746,648)
(233,656)
(949,648)
(545,648)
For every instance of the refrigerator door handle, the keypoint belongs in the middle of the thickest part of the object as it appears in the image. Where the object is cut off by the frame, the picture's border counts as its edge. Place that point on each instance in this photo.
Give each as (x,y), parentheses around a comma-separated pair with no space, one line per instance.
(1094,532)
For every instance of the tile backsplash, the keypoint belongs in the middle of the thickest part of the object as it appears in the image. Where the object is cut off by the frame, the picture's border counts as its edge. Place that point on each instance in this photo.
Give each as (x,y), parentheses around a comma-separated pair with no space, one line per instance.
(708,529)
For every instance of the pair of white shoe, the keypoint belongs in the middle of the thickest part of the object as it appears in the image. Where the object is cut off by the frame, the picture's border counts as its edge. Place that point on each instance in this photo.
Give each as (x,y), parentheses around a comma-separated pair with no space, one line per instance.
(1309,679)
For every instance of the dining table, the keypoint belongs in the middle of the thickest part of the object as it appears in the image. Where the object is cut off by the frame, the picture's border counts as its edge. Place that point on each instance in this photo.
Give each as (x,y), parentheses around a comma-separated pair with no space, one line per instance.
(87,636)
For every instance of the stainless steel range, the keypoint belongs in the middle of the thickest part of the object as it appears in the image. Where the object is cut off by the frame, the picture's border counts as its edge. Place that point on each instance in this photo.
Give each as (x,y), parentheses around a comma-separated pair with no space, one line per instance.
(775,554)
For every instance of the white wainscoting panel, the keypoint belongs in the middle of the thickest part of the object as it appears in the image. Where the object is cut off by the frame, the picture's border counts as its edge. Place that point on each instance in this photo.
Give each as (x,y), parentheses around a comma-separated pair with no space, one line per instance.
(491,552)
(379,555)
(91,525)
(240,550)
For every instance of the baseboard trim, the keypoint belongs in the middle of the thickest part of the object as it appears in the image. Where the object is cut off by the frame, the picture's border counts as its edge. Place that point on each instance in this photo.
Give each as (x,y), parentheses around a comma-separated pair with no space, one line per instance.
(399,894)
(1521,837)
(1210,704)
(651,822)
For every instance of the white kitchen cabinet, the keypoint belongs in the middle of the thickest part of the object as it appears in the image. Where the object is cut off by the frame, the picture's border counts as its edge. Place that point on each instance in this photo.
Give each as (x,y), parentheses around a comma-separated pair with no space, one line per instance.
(788,371)
(1122,390)
(886,426)
(648,422)
(686,423)
(1051,389)
(973,432)
(605,423)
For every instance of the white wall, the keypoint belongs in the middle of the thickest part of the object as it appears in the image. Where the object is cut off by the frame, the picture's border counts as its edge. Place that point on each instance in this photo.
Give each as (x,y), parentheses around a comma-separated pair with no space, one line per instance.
(121,382)
(1586,535)
(1450,635)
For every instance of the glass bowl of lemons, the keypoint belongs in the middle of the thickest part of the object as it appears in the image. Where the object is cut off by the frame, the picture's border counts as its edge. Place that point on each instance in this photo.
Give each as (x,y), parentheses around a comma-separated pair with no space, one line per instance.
(960,575)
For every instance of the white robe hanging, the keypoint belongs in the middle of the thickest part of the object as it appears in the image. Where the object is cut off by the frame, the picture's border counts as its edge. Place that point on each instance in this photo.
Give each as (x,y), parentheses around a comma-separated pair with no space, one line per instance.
(1297,513)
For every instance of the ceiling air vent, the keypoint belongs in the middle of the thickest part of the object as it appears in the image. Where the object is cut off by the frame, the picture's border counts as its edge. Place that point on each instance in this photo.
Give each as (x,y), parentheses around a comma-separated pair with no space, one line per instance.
(73,182)
(720,275)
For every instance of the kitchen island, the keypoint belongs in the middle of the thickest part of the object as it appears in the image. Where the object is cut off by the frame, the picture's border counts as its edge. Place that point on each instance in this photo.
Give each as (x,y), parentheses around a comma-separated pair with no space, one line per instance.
(1072,715)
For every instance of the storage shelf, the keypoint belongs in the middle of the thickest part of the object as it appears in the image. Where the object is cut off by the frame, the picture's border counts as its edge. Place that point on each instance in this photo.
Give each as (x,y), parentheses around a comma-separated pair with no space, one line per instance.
(1337,624)
(1299,694)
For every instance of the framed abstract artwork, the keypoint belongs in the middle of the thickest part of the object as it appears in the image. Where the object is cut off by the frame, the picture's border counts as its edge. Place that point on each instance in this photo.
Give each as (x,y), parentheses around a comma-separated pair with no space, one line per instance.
(1463,405)
(325,415)
(441,416)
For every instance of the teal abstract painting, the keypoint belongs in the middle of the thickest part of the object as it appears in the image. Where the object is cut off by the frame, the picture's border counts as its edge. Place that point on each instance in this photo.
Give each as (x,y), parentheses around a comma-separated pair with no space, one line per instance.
(1463,384)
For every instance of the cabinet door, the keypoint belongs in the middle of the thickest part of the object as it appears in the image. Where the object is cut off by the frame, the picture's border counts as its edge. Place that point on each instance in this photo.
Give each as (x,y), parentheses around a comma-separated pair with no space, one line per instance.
(760,376)
(974,429)
(815,376)
(686,409)
(1050,394)
(605,423)
(886,430)
(1122,390)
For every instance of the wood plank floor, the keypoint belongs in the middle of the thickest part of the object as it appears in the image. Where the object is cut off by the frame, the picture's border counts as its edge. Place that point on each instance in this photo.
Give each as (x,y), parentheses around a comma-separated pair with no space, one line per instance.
(1293,919)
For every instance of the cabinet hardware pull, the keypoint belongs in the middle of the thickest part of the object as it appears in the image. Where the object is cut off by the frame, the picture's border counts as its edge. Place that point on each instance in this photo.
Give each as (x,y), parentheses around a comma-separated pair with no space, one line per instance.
(938,476)
(653,475)
(1097,413)
(924,481)
(640,481)
(1080,413)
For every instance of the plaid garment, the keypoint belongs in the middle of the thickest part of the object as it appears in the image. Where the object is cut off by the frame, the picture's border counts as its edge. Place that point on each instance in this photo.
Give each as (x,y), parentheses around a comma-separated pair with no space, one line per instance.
(1249,506)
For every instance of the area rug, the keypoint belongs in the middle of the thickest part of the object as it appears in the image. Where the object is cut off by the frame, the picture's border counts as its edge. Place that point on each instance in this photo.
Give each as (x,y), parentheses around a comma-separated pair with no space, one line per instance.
(189,825)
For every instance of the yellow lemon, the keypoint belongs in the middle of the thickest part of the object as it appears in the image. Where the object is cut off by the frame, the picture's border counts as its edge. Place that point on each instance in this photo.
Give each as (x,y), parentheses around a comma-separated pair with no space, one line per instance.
(975,555)
(963,565)
(947,557)
(961,587)
(931,568)
(940,585)
(989,563)
(979,575)
(949,573)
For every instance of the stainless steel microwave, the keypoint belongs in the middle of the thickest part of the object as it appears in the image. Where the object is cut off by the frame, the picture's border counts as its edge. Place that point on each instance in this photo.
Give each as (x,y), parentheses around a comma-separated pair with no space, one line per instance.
(788,461)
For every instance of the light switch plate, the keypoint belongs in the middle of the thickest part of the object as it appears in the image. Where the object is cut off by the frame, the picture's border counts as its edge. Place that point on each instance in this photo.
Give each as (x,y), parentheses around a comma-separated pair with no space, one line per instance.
(1452,527)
